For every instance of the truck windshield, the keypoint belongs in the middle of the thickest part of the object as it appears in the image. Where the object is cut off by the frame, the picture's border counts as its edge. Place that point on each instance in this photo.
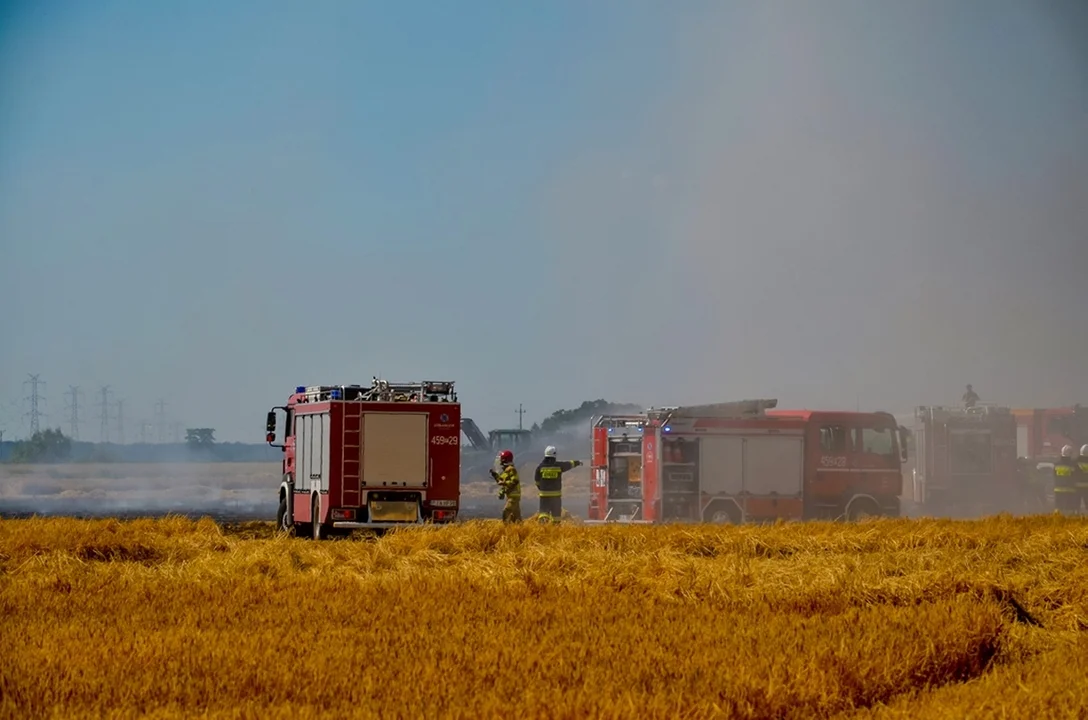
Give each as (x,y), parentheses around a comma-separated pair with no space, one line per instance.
(878,441)
(970,452)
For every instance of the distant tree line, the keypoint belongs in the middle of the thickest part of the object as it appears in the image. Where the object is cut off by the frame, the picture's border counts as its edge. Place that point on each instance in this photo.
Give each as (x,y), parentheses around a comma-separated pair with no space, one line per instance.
(569,427)
(53,446)
(563,420)
(45,446)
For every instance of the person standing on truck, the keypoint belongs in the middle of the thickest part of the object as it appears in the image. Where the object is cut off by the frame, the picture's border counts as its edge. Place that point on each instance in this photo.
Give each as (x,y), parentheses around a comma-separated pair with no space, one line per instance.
(1067,476)
(509,487)
(970,398)
(549,482)
(1082,481)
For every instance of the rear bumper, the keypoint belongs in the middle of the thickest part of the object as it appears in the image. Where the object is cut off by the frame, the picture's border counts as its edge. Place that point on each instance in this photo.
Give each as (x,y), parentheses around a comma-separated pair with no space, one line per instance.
(617,522)
(352,525)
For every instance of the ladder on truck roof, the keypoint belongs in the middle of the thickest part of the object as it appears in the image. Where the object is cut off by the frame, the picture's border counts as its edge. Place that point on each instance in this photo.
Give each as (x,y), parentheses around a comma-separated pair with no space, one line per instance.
(738,409)
(978,412)
(619,421)
(382,391)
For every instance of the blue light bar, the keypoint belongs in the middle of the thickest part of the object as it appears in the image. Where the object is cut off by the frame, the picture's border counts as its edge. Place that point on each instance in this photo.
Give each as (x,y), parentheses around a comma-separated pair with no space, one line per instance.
(335,394)
(667,428)
(300,389)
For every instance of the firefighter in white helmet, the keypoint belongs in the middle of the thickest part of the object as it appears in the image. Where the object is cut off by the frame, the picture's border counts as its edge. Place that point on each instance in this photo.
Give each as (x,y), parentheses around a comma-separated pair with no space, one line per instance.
(549,482)
(1067,476)
(1082,480)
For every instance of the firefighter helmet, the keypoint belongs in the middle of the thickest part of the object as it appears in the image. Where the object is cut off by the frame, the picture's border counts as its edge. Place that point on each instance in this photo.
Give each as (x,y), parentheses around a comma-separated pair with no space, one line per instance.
(550,451)
(1067,451)
(1084,450)
(506,457)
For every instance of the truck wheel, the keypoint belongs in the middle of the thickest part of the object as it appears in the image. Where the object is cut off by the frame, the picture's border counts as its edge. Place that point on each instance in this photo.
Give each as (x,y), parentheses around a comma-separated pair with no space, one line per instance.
(318,527)
(719,513)
(281,517)
(861,509)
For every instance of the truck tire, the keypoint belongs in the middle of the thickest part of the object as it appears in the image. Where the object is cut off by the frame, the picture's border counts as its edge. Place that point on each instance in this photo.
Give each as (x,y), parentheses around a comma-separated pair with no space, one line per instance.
(721,513)
(281,517)
(862,508)
(320,532)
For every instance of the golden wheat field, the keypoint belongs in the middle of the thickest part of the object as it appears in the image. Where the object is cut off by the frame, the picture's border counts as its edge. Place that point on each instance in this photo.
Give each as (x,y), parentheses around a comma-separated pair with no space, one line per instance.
(882,619)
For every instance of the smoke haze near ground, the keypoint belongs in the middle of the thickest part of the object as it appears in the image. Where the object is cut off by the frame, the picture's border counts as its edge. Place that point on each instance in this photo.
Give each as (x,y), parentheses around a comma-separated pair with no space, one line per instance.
(834,204)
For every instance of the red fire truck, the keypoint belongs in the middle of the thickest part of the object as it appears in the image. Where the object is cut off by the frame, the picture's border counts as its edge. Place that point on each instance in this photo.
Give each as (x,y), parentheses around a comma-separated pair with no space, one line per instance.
(742,461)
(373,457)
(1041,433)
(965,461)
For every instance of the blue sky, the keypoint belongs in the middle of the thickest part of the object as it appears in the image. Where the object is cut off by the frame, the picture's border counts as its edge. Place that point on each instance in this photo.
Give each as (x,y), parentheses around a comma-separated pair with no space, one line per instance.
(210,203)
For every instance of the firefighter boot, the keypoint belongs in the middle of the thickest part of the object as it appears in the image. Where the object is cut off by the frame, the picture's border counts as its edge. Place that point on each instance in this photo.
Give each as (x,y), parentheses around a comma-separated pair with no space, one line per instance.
(1066,500)
(552,506)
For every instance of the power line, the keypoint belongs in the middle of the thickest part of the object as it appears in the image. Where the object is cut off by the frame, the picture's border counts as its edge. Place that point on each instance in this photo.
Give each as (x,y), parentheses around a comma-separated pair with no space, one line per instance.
(120,422)
(73,410)
(104,418)
(36,399)
(160,419)
(521,413)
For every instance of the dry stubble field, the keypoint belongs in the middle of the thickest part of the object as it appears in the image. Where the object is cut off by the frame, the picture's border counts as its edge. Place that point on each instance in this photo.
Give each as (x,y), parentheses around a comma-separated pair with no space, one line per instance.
(882,619)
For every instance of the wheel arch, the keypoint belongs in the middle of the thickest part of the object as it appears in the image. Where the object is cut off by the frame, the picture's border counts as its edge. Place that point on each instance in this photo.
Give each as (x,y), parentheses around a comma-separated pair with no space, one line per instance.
(728,504)
(861,500)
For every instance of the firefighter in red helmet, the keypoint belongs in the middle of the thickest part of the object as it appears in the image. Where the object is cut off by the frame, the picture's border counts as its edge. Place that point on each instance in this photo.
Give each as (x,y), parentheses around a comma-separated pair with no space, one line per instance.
(509,487)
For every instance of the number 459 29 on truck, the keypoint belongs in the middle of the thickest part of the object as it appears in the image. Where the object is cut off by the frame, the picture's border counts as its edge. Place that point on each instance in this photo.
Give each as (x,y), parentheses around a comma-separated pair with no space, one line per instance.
(371,457)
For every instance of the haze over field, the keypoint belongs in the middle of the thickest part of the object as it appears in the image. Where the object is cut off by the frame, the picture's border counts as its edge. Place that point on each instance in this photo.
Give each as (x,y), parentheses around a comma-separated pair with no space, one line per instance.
(832,203)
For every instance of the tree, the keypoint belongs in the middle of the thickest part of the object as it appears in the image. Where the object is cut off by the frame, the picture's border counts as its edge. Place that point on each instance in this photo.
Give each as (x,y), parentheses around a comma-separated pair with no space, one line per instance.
(563,419)
(198,438)
(45,446)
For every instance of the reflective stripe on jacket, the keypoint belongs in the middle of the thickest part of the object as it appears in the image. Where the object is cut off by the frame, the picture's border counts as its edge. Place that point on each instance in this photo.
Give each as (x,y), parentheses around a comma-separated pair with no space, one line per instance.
(509,482)
(1066,474)
(549,476)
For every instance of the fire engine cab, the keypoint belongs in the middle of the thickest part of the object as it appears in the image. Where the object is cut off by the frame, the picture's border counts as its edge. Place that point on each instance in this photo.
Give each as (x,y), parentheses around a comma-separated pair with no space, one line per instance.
(965,460)
(742,461)
(368,457)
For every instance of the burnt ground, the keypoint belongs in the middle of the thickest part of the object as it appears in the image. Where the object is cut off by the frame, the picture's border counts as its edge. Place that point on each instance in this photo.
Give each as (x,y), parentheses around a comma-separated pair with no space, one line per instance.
(225,492)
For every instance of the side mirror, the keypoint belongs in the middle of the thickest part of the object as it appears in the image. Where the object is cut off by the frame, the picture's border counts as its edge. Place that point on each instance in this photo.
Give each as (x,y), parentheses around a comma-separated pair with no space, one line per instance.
(902,444)
(270,427)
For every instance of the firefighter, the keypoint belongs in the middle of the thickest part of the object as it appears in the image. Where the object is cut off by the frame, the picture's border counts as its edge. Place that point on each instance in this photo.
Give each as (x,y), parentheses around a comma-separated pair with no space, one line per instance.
(970,398)
(509,487)
(1066,478)
(549,482)
(1082,481)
